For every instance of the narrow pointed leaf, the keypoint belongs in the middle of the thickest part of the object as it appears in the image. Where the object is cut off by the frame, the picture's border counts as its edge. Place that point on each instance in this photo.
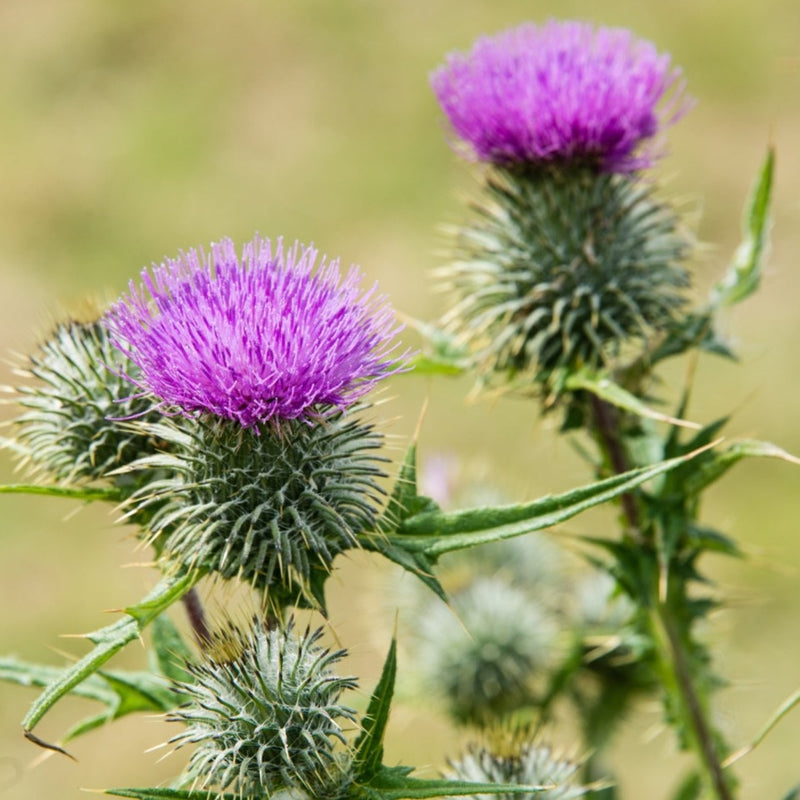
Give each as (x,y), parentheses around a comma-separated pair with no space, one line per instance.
(157,793)
(714,465)
(76,493)
(110,640)
(436,533)
(389,784)
(170,651)
(369,744)
(604,388)
(405,500)
(744,273)
(417,563)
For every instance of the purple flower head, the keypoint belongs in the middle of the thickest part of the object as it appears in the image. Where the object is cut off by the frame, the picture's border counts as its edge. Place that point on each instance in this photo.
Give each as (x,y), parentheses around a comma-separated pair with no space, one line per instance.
(263,337)
(561,92)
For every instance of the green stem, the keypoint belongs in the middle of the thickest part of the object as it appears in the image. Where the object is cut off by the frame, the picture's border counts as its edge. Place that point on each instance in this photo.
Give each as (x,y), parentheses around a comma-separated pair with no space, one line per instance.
(673,658)
(671,650)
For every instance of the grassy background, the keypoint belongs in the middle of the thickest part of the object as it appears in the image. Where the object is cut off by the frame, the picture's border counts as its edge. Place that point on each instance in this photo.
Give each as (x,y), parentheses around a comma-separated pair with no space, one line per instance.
(130,131)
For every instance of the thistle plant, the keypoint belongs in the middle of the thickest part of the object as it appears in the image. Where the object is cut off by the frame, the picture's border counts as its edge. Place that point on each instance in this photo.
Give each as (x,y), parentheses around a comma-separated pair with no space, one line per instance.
(269,480)
(570,260)
(223,403)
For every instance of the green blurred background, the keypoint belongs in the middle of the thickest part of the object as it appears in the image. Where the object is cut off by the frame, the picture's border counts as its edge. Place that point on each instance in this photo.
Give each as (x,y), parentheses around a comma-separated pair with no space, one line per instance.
(131,130)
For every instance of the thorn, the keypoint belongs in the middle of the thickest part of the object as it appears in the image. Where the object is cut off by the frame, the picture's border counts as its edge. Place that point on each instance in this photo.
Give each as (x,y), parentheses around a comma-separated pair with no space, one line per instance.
(32,737)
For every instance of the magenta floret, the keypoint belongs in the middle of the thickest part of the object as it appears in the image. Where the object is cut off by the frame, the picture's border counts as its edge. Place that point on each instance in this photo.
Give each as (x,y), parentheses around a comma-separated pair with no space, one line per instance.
(268,336)
(561,92)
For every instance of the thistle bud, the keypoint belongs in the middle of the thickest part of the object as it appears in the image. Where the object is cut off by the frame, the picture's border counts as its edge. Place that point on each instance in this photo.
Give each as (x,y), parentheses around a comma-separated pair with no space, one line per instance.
(523,762)
(265,715)
(485,654)
(73,427)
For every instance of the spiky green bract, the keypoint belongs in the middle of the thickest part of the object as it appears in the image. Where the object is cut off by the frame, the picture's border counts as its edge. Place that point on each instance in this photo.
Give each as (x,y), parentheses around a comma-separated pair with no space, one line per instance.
(516,759)
(484,654)
(270,505)
(563,267)
(264,711)
(73,427)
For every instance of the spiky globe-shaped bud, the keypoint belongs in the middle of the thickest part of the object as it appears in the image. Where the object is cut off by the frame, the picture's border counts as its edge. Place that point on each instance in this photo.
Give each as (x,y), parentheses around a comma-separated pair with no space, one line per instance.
(519,761)
(484,655)
(564,267)
(271,507)
(265,714)
(73,427)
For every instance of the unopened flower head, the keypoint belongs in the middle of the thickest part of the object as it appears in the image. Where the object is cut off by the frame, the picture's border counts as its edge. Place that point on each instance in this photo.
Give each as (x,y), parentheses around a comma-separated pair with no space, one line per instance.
(520,762)
(485,654)
(561,92)
(71,427)
(262,337)
(264,711)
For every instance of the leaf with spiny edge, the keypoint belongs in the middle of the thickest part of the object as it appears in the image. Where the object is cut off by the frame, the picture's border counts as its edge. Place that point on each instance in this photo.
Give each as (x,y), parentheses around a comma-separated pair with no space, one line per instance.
(108,641)
(368,746)
(170,652)
(604,388)
(394,783)
(434,533)
(744,274)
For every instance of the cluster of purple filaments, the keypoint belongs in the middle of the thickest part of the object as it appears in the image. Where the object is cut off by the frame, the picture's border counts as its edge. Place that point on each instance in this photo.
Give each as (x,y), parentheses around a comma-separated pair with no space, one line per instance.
(268,336)
(561,92)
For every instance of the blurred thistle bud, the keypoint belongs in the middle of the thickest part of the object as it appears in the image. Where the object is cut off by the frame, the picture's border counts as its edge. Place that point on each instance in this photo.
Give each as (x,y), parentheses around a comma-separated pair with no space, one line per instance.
(484,654)
(260,358)
(516,758)
(570,259)
(265,715)
(74,426)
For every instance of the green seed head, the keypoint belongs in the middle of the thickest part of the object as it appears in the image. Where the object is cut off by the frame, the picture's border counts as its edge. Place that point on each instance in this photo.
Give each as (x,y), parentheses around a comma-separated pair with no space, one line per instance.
(563,267)
(265,715)
(73,427)
(485,653)
(516,759)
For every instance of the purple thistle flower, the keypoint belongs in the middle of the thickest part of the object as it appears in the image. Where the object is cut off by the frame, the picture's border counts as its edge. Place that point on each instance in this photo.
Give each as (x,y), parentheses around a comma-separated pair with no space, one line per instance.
(561,92)
(265,337)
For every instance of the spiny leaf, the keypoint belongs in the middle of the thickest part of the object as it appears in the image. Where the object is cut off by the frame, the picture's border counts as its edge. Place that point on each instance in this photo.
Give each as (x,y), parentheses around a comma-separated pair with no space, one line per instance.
(716,464)
(395,784)
(417,563)
(604,388)
(157,793)
(110,640)
(405,501)
(74,492)
(170,651)
(744,273)
(436,533)
(369,744)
